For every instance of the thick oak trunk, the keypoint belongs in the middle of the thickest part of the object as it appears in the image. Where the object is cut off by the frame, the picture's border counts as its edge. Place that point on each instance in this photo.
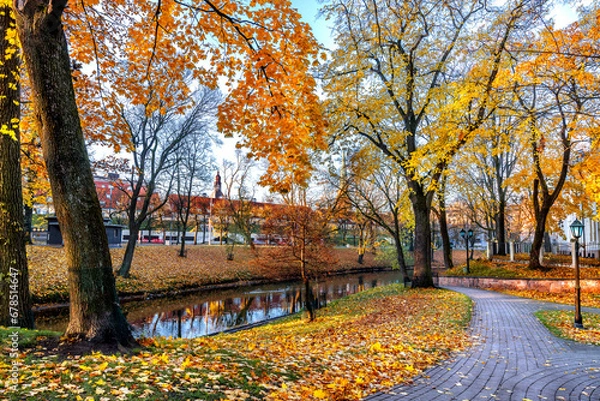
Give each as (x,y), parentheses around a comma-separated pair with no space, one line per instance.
(95,314)
(15,303)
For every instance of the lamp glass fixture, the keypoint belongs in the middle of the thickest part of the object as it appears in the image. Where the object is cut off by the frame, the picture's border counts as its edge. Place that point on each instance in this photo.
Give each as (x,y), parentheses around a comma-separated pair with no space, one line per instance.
(576,229)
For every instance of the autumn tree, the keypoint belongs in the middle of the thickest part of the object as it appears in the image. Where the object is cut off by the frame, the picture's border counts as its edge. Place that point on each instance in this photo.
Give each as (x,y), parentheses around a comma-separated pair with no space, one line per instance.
(378,192)
(304,225)
(588,47)
(158,134)
(191,171)
(260,52)
(442,217)
(220,220)
(556,92)
(95,314)
(482,175)
(262,49)
(15,302)
(415,81)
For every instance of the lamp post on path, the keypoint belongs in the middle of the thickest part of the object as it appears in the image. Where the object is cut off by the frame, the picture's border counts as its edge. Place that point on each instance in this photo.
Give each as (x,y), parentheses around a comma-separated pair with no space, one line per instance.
(576,231)
(466,236)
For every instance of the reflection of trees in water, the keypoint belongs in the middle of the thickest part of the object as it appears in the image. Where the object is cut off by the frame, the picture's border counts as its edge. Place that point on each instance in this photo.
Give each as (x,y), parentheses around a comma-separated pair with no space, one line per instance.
(219,315)
(203,314)
(242,315)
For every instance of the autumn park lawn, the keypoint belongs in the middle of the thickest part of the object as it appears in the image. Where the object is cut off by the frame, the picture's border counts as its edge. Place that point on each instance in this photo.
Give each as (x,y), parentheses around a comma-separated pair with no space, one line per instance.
(159,269)
(358,345)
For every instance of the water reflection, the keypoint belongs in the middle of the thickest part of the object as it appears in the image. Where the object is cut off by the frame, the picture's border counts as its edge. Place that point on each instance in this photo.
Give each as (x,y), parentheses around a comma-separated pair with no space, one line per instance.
(204,314)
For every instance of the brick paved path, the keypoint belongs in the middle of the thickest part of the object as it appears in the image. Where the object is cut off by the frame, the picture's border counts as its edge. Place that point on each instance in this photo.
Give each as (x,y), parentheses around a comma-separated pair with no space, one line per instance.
(514,358)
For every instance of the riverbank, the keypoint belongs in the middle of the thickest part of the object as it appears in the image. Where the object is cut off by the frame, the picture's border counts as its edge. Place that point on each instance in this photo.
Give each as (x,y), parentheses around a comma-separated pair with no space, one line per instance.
(159,271)
(354,348)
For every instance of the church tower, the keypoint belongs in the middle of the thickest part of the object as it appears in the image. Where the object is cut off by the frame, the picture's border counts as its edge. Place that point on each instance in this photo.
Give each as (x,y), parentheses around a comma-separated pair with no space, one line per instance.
(217,193)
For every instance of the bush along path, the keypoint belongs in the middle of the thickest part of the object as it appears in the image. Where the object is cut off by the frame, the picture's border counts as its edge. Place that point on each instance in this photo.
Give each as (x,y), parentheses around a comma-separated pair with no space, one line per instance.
(514,358)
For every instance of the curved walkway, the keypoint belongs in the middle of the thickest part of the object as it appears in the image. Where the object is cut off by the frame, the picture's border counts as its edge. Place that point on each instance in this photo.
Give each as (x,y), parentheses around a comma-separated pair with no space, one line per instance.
(513,358)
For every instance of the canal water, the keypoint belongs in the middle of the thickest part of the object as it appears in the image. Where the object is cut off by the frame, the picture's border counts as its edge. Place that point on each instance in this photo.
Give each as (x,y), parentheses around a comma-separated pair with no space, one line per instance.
(210,312)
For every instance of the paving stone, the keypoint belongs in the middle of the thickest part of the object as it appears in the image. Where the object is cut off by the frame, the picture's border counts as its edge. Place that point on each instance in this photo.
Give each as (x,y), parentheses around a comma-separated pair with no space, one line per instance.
(513,358)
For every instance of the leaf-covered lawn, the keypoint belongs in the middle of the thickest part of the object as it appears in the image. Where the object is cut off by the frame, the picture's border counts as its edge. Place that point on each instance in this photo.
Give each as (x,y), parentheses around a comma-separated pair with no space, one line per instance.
(358,345)
(158,269)
(567,298)
(561,324)
(483,268)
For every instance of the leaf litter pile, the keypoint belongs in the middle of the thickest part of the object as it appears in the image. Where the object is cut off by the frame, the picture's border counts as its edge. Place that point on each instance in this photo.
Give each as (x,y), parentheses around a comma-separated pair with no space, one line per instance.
(358,345)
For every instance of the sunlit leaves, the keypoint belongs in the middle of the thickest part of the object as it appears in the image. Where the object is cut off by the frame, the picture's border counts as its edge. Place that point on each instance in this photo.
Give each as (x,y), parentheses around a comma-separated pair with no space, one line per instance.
(259,52)
(359,345)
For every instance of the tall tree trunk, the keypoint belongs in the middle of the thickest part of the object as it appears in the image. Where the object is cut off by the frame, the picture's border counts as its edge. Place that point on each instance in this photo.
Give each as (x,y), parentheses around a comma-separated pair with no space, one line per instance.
(361,243)
(422,276)
(501,226)
(446,246)
(15,302)
(442,218)
(400,257)
(134,226)
(183,233)
(538,239)
(95,314)
(308,294)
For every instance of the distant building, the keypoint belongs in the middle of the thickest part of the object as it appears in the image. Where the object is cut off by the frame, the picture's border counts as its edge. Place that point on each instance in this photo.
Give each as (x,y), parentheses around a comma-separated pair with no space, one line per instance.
(113,232)
(217,193)
(589,242)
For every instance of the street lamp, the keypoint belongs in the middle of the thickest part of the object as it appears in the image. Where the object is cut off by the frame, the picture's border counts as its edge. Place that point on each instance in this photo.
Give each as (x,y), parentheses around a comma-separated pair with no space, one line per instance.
(466,235)
(577,231)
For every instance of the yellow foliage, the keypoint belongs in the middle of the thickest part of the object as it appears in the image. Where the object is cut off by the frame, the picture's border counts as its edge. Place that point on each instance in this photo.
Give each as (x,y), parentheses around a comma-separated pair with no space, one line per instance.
(289,359)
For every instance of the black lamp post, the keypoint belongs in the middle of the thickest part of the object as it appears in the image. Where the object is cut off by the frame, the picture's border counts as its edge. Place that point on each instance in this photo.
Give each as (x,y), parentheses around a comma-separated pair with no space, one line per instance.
(577,231)
(466,235)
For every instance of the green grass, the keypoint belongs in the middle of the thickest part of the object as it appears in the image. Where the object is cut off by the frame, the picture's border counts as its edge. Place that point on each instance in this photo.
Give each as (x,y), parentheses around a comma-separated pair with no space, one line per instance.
(560,323)
(26,338)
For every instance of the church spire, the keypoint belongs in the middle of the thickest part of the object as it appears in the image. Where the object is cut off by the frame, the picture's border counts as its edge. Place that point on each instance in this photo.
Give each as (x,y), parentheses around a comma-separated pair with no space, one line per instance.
(217,193)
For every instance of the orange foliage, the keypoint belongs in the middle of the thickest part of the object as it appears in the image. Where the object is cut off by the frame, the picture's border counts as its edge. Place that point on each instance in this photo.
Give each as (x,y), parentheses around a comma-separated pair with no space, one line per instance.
(259,50)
